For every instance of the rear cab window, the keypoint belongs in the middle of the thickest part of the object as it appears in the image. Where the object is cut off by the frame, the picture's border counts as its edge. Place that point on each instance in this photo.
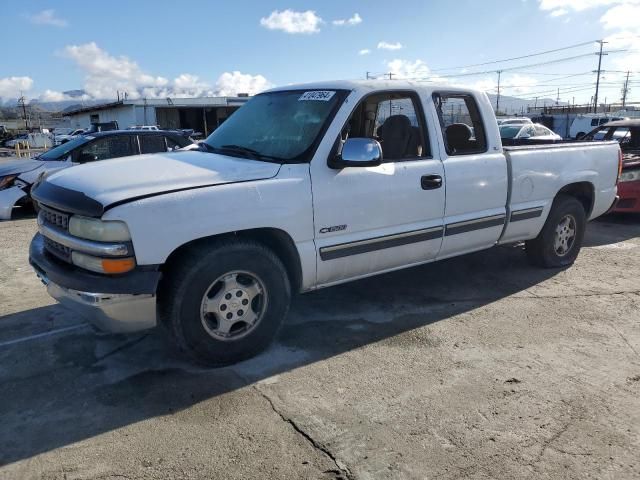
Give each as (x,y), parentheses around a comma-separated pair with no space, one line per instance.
(461,123)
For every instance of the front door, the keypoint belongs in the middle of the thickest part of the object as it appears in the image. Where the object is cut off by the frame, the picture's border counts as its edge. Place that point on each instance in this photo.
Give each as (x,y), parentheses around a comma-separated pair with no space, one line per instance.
(372,219)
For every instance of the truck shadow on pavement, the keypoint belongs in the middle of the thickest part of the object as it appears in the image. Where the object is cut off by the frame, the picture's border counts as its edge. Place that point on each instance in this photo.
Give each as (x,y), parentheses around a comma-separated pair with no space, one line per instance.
(613,228)
(73,386)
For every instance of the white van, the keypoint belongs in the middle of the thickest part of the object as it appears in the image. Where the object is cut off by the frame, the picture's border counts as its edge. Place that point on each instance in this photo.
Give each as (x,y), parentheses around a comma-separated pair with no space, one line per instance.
(583,124)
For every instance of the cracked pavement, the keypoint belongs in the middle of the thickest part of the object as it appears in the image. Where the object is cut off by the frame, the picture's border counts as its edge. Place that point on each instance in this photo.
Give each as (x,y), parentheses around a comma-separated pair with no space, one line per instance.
(476,367)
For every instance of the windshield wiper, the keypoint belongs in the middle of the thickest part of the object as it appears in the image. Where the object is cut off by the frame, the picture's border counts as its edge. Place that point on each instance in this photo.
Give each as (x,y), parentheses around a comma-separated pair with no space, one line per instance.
(204,146)
(249,152)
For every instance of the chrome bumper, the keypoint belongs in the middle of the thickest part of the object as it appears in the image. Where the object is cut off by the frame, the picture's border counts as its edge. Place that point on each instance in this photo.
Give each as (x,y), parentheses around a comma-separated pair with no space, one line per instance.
(117,313)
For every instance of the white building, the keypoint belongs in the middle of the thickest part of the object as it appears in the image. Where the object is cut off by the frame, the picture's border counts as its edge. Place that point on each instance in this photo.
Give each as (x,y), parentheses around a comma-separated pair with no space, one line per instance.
(202,114)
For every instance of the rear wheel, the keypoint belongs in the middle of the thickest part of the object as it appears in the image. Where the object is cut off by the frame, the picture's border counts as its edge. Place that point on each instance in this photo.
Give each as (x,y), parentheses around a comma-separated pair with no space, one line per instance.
(225,302)
(560,240)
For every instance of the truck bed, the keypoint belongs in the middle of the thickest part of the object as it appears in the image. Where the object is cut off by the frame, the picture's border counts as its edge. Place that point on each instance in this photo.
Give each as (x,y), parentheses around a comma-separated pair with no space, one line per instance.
(538,172)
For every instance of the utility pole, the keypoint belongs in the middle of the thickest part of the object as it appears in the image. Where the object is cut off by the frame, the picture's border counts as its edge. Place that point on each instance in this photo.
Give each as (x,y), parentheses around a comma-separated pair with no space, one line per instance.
(390,75)
(558,98)
(24,111)
(625,90)
(499,72)
(595,98)
(368,76)
(535,104)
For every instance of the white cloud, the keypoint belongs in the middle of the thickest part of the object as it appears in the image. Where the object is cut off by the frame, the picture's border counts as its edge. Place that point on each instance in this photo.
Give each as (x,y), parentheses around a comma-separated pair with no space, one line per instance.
(622,17)
(559,12)
(578,5)
(408,69)
(53,96)
(509,85)
(389,46)
(364,51)
(232,83)
(47,17)
(563,7)
(11,87)
(106,74)
(292,22)
(354,20)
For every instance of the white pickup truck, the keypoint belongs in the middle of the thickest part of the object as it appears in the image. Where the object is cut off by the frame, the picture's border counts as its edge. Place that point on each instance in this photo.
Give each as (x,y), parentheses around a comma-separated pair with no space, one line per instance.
(305,187)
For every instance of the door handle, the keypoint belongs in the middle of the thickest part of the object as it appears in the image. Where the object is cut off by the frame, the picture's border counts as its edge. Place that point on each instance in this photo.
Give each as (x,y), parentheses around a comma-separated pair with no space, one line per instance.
(430,182)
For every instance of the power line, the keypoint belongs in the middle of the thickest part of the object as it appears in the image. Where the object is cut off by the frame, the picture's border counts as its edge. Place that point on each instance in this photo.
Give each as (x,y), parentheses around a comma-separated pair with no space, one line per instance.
(511,69)
(546,52)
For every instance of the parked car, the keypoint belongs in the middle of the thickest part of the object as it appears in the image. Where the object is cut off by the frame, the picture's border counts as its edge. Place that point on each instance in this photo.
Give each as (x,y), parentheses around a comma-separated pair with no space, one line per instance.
(144,127)
(66,134)
(583,124)
(513,121)
(32,140)
(101,127)
(627,134)
(213,242)
(529,132)
(18,176)
(11,142)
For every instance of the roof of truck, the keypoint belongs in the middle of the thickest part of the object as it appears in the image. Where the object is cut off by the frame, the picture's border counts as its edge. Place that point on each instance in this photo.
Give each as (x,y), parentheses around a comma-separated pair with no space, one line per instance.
(371,85)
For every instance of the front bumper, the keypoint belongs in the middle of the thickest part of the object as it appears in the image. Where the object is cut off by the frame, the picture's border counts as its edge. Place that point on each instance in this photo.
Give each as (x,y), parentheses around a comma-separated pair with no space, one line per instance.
(629,193)
(114,304)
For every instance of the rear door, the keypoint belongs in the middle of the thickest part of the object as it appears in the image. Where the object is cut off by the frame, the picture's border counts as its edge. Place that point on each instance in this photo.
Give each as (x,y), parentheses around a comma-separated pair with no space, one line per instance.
(373,219)
(475,170)
(152,143)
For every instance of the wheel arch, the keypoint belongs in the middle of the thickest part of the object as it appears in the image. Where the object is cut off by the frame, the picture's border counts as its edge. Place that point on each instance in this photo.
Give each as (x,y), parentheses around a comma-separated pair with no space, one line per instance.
(584,192)
(277,240)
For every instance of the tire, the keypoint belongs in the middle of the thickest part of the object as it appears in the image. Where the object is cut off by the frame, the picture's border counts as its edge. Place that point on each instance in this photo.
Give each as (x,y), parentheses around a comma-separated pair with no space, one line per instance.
(241,280)
(555,246)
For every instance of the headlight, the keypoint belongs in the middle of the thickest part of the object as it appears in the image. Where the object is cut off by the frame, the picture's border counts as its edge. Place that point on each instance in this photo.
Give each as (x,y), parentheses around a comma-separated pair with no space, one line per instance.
(103,265)
(99,230)
(630,176)
(7,181)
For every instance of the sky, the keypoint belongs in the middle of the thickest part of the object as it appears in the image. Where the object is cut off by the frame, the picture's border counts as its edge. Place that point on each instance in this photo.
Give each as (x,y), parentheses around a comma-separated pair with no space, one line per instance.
(168,49)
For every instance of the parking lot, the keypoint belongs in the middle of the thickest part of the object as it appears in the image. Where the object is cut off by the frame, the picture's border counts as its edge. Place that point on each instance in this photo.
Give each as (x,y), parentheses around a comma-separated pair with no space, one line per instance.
(476,367)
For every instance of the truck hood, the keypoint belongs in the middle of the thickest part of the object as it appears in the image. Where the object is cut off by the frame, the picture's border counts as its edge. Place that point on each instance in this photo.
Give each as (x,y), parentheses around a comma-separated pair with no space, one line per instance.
(101,184)
(13,167)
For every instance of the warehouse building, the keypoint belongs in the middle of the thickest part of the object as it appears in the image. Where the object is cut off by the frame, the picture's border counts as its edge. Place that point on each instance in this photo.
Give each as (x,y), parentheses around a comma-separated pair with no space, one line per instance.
(202,114)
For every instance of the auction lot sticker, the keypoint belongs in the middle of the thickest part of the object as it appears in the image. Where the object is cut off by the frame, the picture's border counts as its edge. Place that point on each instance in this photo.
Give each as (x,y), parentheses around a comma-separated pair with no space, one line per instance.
(317,95)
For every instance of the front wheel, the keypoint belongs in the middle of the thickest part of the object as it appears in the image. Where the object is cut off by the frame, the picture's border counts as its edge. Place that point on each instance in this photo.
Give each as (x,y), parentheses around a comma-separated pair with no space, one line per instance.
(225,302)
(560,240)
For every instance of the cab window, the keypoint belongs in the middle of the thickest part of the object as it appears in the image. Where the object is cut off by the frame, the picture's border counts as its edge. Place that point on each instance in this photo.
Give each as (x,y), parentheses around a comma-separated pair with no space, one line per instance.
(395,119)
(461,123)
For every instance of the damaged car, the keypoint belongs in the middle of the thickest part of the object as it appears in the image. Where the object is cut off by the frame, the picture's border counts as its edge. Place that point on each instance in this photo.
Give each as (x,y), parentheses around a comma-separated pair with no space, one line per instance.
(18,176)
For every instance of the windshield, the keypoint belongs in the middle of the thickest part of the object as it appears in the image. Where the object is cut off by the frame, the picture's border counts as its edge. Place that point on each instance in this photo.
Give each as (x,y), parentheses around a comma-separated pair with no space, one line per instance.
(509,131)
(279,126)
(60,152)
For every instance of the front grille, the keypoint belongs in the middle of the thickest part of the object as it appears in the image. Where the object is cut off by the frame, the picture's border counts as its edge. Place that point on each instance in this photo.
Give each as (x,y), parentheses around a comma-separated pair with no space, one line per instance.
(58,221)
(54,217)
(55,248)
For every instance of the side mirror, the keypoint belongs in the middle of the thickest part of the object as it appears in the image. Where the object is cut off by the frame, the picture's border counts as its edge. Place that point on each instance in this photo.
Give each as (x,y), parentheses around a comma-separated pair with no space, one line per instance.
(87,157)
(358,152)
(524,136)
